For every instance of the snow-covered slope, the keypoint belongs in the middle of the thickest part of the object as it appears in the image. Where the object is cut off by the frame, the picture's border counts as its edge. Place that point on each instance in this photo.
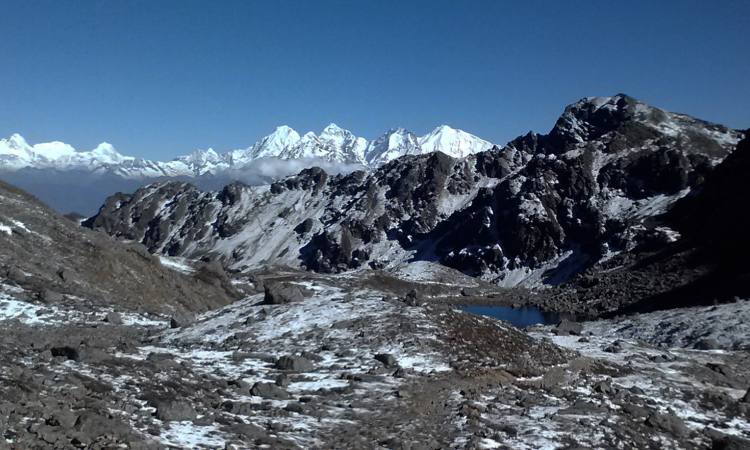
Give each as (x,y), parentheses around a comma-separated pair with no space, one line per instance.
(391,145)
(333,145)
(452,142)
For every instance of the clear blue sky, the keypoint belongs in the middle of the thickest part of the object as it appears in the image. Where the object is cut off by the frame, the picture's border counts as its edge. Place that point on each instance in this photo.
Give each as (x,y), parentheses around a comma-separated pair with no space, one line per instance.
(161,78)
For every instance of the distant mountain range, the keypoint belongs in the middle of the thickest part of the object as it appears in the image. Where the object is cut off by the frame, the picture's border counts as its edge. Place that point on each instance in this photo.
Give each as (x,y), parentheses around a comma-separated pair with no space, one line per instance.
(334,145)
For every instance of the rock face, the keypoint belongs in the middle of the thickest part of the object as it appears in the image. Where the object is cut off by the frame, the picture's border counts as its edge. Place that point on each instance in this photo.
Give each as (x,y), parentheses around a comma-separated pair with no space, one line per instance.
(707,264)
(540,209)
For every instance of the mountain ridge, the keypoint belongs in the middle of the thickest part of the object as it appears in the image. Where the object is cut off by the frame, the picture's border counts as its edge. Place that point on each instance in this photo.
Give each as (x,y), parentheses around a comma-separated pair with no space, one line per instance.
(537,211)
(333,144)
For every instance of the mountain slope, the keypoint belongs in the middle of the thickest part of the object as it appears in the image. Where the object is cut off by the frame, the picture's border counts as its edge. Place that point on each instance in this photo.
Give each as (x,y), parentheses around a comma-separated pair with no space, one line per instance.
(54,258)
(539,210)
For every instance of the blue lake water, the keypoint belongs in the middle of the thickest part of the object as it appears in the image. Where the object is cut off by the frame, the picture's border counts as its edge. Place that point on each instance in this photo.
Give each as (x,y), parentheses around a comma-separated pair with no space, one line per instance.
(520,317)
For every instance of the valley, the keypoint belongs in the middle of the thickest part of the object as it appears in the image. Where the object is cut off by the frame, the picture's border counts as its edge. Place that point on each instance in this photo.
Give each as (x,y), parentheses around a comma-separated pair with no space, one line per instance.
(584,288)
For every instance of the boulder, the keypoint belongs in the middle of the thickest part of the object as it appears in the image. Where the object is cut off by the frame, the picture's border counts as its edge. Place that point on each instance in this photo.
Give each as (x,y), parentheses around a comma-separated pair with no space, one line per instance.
(567,327)
(294,364)
(171,409)
(387,359)
(304,227)
(268,390)
(707,344)
(50,296)
(114,318)
(280,293)
(667,422)
(180,320)
(66,352)
(412,298)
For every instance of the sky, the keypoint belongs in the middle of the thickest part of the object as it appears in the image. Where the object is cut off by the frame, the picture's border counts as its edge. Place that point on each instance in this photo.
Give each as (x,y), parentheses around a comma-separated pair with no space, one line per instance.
(161,78)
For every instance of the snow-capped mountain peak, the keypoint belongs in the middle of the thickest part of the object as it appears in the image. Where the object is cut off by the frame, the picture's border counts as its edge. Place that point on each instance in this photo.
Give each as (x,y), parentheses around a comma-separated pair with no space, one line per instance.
(452,142)
(393,144)
(333,144)
(332,129)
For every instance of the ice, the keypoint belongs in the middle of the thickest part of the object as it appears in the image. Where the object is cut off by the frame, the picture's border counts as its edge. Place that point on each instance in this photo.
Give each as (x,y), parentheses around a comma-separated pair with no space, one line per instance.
(11,308)
(188,435)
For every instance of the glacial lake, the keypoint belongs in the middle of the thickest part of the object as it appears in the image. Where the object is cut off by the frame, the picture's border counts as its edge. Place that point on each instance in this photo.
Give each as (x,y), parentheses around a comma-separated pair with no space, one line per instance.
(520,317)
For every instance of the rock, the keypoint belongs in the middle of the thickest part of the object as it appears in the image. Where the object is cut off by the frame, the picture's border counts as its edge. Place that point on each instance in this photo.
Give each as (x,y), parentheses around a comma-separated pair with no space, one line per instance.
(746,398)
(294,407)
(567,327)
(721,441)
(615,347)
(268,390)
(604,387)
(114,318)
(412,298)
(65,352)
(64,274)
(180,320)
(305,226)
(667,422)
(707,344)
(240,384)
(170,409)
(280,293)
(50,296)
(247,430)
(387,359)
(62,418)
(635,410)
(282,380)
(295,364)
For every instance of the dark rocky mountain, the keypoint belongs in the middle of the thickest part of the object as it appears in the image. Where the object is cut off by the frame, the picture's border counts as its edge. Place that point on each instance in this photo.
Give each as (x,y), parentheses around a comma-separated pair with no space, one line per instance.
(704,264)
(540,209)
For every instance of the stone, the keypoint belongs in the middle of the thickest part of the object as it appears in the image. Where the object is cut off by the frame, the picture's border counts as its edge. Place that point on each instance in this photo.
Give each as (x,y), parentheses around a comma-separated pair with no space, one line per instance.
(66,352)
(295,364)
(281,293)
(50,296)
(667,422)
(180,320)
(412,298)
(268,390)
(114,318)
(171,409)
(707,344)
(567,327)
(387,359)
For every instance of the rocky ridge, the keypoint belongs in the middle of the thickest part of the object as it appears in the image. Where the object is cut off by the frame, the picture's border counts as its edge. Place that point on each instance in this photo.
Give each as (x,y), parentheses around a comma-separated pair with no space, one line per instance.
(539,210)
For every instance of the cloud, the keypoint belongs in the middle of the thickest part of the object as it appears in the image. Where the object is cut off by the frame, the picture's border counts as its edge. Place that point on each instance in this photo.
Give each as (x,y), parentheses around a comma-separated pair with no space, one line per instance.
(263,171)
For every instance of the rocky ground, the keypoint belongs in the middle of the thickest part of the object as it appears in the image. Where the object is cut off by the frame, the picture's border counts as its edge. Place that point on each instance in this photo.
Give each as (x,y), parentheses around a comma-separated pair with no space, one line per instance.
(361,361)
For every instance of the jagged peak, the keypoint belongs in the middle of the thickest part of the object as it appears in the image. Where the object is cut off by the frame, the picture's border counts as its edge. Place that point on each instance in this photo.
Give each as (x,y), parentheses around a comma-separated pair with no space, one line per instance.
(332,128)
